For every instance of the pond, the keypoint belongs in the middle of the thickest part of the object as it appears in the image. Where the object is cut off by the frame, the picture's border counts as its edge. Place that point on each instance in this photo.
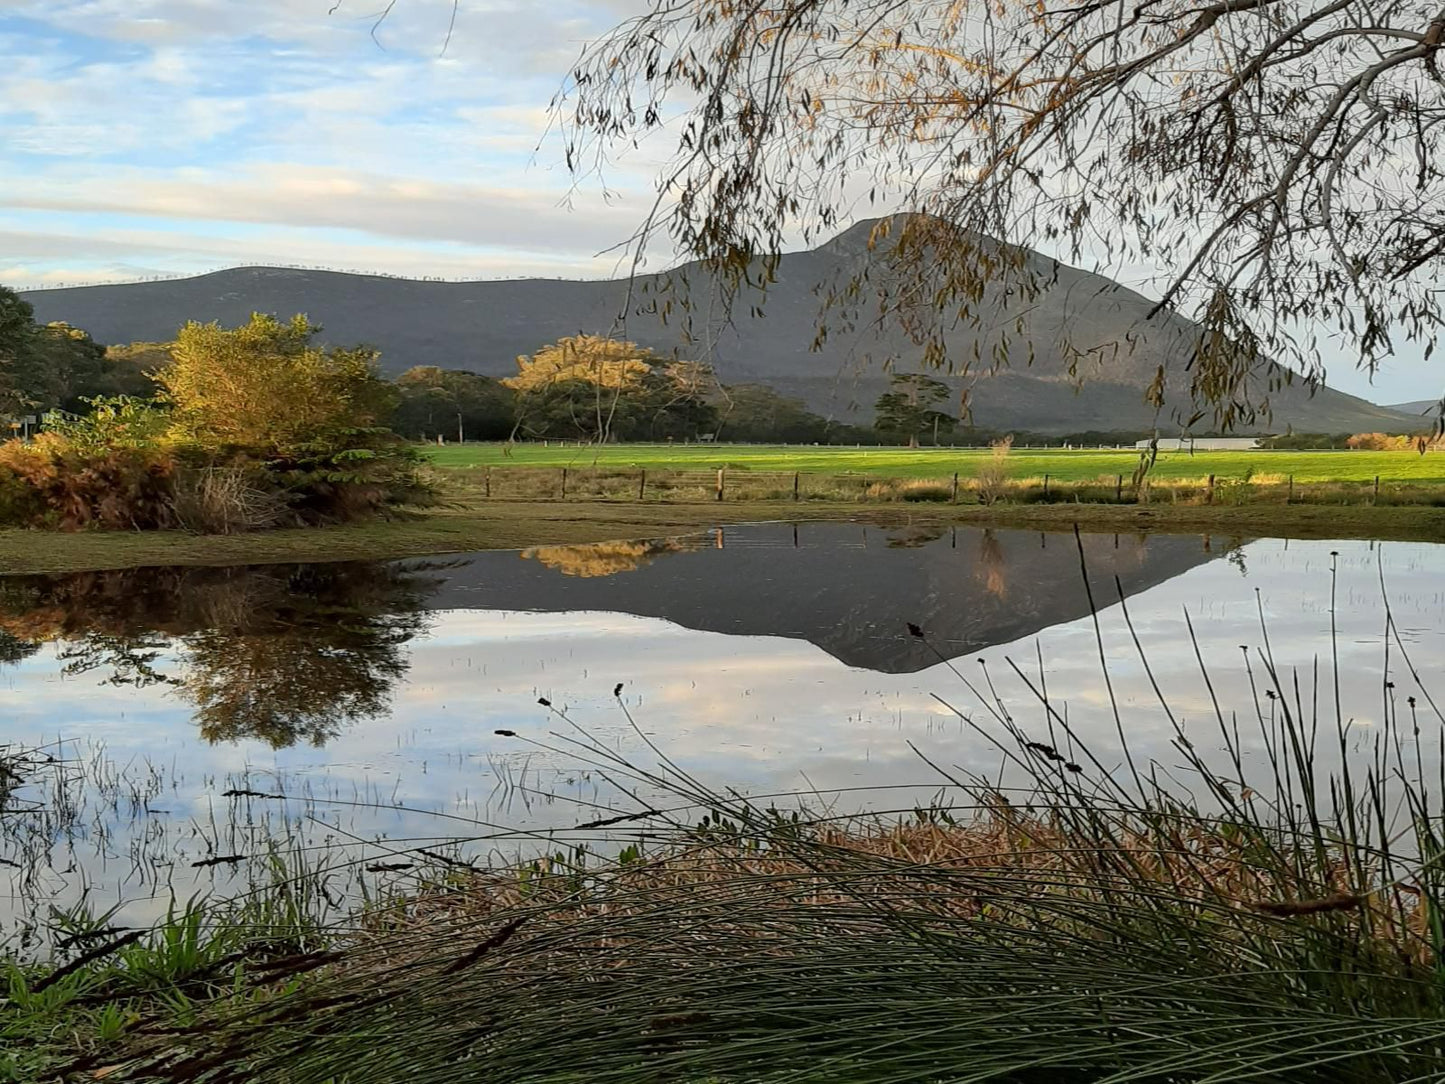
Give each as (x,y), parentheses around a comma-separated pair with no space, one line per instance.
(198,717)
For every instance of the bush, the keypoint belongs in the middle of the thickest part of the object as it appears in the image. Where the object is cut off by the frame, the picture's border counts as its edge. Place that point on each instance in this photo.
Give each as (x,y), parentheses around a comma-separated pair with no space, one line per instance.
(120,421)
(256,428)
(913,490)
(55,483)
(1377,442)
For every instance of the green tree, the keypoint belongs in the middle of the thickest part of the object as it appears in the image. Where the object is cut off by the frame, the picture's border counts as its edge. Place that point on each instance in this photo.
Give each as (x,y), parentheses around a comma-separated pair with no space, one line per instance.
(128,371)
(67,367)
(754,412)
(593,388)
(909,409)
(450,401)
(17,330)
(34,361)
(44,366)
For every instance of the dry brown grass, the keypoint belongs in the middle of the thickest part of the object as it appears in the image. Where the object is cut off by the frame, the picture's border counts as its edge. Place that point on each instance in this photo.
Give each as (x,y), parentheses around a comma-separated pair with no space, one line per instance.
(224,500)
(992,868)
(910,489)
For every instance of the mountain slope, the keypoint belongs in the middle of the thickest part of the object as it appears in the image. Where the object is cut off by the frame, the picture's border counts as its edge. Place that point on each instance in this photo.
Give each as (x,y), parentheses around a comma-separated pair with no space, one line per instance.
(1417,408)
(484,326)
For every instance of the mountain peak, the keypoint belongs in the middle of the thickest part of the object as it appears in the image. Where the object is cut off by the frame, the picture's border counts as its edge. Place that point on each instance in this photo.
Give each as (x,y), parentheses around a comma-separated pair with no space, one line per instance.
(484,326)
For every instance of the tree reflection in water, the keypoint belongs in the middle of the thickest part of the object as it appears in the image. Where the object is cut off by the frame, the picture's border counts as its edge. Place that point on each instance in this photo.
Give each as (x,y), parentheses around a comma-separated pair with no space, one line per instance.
(281,654)
(600,559)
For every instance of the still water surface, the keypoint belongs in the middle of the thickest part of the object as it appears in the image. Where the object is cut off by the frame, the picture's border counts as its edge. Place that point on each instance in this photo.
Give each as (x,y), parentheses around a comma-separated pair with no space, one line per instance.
(770,658)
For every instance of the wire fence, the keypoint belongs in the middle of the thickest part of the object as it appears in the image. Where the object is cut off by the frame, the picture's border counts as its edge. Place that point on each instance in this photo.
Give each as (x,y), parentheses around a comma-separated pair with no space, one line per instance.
(731,485)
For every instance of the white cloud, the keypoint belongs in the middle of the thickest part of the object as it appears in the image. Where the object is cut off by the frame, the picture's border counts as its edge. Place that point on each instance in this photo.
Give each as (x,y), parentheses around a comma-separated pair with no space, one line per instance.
(172,135)
(502,215)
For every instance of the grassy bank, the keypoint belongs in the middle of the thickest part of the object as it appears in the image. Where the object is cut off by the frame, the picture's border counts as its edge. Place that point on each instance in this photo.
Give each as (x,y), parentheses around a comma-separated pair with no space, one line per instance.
(1074,465)
(519,524)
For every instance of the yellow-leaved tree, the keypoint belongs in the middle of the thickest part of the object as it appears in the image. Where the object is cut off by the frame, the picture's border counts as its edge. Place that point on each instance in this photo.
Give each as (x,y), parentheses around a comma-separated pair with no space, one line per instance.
(583,383)
(266,387)
(591,359)
(288,417)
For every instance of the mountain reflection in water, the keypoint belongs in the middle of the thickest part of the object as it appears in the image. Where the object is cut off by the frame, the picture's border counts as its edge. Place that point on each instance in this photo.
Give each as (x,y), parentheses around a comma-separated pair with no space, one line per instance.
(849,589)
(290,654)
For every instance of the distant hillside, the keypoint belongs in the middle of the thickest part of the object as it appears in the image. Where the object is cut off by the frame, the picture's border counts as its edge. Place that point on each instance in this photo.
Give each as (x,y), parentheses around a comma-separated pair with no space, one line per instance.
(483,326)
(1416,409)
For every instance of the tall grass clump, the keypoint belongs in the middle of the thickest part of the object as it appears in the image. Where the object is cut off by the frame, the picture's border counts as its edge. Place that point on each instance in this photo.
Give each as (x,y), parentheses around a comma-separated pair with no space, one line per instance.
(991,481)
(914,490)
(225,500)
(1264,906)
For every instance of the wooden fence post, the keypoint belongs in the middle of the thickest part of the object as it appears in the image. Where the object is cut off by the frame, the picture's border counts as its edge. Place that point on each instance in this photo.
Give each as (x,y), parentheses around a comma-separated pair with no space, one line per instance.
(1290,498)
(797,483)
(720,485)
(1209,496)
(489,482)
(1046,485)
(1119,488)
(1377,489)
(564,483)
(641,484)
(955,487)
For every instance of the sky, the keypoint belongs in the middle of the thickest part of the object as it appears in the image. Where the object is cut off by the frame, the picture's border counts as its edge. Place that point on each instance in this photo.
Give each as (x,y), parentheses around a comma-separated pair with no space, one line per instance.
(144,138)
(155,137)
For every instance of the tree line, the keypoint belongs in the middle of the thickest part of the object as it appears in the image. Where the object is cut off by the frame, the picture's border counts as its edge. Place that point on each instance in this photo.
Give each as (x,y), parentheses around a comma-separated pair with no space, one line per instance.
(592,388)
(269,388)
(585,387)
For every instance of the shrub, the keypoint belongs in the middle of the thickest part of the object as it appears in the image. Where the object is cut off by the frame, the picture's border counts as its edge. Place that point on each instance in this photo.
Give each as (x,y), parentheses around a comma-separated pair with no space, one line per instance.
(120,421)
(1377,442)
(350,475)
(52,482)
(915,489)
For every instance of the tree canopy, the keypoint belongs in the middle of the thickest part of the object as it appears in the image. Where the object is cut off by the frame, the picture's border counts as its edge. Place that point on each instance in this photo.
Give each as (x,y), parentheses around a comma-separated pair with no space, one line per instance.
(1278,162)
(435,401)
(266,386)
(595,388)
(909,409)
(44,366)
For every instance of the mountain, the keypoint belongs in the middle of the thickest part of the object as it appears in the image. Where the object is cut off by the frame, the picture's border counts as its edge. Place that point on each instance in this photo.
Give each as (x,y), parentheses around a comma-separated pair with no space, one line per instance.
(483,326)
(1417,409)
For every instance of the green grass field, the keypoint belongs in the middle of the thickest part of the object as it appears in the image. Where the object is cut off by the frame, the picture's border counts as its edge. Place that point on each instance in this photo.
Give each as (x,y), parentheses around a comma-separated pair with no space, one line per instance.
(1063,466)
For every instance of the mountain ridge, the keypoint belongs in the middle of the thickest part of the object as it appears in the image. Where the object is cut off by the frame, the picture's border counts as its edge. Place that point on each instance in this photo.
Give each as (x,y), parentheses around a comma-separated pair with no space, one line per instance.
(485,325)
(1416,407)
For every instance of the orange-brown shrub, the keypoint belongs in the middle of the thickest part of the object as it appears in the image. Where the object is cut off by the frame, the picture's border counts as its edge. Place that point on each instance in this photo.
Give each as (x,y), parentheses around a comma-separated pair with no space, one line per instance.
(50,483)
(1377,442)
